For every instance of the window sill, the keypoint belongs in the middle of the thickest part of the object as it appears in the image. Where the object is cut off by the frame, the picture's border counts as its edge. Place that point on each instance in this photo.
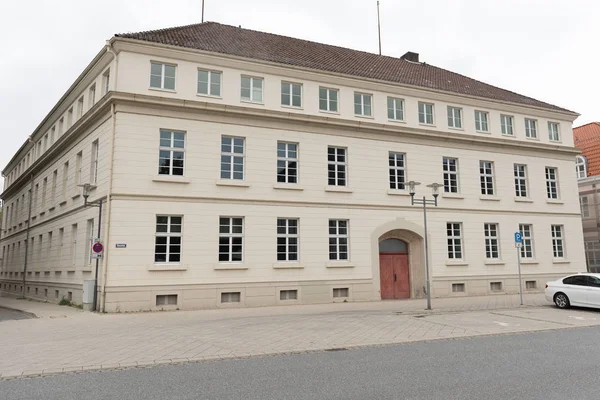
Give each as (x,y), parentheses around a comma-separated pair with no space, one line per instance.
(287,186)
(494,262)
(210,96)
(230,267)
(554,201)
(532,138)
(489,198)
(339,189)
(427,125)
(484,132)
(75,196)
(51,208)
(293,107)
(167,267)
(329,112)
(62,202)
(456,264)
(260,103)
(397,121)
(288,265)
(232,182)
(456,129)
(171,179)
(42,213)
(364,116)
(523,200)
(339,264)
(506,135)
(555,141)
(453,196)
(162,90)
(398,192)
(531,262)
(560,261)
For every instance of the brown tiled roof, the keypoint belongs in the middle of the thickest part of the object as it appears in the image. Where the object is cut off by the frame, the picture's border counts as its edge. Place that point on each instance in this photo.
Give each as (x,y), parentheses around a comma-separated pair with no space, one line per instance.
(587,138)
(226,39)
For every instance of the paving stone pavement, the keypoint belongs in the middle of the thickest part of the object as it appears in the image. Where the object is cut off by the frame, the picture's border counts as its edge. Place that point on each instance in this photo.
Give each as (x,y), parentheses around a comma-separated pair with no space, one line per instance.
(63,339)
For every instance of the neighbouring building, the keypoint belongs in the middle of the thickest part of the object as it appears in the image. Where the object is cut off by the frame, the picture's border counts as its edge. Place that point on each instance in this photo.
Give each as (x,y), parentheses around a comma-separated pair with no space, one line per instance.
(587,138)
(241,168)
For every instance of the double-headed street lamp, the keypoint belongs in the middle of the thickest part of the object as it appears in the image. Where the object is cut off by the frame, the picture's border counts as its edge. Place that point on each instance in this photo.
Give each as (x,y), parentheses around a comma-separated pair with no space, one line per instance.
(434,188)
(87,188)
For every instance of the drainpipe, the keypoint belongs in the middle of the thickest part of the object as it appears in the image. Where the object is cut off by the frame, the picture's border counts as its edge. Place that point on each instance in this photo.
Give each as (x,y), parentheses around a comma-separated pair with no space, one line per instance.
(27,235)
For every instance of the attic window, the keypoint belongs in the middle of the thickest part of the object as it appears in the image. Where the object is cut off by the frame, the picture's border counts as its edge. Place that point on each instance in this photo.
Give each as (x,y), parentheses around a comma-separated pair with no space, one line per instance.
(581,167)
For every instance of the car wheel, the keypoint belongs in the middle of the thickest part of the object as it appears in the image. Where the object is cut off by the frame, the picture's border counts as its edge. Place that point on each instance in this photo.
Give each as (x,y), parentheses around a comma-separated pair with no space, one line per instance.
(561,300)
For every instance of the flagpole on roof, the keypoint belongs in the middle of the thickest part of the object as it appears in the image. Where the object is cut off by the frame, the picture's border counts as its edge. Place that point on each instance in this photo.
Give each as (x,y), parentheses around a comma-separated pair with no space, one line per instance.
(202,10)
(378,27)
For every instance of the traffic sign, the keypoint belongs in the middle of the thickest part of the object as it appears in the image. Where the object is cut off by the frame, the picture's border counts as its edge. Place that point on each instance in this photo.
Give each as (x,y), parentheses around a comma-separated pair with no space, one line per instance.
(97,249)
(518,237)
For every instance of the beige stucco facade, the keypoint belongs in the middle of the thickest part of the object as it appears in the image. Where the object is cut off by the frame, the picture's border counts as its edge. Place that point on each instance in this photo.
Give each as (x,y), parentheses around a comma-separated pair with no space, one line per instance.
(125,120)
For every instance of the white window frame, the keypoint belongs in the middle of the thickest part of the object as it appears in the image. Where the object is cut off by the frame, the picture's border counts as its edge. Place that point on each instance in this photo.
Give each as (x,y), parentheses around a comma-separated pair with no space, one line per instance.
(338,239)
(256,92)
(90,235)
(337,167)
(94,162)
(173,151)
(397,170)
(288,236)
(291,96)
(423,114)
(482,121)
(395,109)
(230,237)
(553,131)
(209,83)
(106,82)
(74,233)
(507,125)
(450,176)
(79,167)
(527,248)
(492,240)
(581,167)
(558,241)
(552,188)
(363,104)
(585,206)
(521,183)
(231,157)
(454,117)
(170,234)
(92,96)
(328,100)
(487,178)
(455,248)
(163,75)
(531,128)
(287,161)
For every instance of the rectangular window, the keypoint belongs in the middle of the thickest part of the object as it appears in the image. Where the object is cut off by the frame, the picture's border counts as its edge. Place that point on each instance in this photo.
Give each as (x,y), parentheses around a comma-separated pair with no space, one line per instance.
(450,167)
(397,170)
(287,239)
(73,244)
(44,191)
(336,166)
(506,124)
(61,243)
(231,239)
(527,235)
(338,239)
(232,158)
(291,94)
(288,295)
(166,300)
(454,117)
(340,292)
(162,76)
(70,118)
(395,109)
(426,113)
(78,166)
(171,153)
(454,235)
(486,175)
(65,180)
(458,287)
(167,244)
(209,83)
(520,172)
(92,96)
(328,99)
(53,132)
(363,104)
(36,194)
(252,89)
(287,162)
(592,249)
(80,107)
(105,82)
(558,241)
(90,241)
(530,128)
(94,163)
(481,121)
(553,132)
(496,286)
(551,183)
(585,206)
(530,285)
(46,142)
(230,297)
(492,246)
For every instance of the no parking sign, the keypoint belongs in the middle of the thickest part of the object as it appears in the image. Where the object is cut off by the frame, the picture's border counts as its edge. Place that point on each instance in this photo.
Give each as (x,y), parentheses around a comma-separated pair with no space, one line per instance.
(97,249)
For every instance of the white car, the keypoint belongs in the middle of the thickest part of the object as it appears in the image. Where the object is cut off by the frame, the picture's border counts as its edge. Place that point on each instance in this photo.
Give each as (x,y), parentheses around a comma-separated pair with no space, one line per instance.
(581,290)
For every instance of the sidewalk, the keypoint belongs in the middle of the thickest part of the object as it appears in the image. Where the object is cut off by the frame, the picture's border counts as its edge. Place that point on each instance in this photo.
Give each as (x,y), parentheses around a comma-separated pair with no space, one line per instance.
(77,341)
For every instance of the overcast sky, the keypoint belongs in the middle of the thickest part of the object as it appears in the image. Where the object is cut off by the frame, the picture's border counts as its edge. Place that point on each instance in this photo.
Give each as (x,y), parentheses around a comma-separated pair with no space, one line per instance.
(546,49)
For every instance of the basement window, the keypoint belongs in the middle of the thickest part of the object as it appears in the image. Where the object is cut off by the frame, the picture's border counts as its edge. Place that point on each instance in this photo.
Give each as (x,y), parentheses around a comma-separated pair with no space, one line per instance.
(496,286)
(458,287)
(56,294)
(531,285)
(166,300)
(230,297)
(340,292)
(288,295)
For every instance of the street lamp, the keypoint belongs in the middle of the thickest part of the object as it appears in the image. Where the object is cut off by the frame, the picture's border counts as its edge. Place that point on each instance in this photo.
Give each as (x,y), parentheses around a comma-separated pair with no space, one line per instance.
(87,188)
(435,189)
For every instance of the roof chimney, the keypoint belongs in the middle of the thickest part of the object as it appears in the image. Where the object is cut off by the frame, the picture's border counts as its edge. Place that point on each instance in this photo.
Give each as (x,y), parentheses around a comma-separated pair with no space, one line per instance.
(410,56)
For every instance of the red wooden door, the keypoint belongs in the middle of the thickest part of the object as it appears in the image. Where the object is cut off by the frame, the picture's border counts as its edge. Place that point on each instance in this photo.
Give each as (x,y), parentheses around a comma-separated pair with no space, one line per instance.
(394,277)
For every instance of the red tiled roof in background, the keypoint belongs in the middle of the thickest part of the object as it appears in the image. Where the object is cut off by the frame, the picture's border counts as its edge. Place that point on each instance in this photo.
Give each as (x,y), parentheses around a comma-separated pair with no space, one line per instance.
(587,138)
(226,39)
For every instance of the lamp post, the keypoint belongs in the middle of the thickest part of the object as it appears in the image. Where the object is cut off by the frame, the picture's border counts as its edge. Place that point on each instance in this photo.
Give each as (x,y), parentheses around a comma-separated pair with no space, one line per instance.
(434,188)
(87,188)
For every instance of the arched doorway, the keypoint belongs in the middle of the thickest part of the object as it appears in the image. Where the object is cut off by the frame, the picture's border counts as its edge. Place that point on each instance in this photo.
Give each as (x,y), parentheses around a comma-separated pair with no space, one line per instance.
(394,274)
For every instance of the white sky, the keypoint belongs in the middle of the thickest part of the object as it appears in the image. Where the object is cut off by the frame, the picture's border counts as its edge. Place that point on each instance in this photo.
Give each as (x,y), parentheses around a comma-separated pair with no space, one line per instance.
(546,49)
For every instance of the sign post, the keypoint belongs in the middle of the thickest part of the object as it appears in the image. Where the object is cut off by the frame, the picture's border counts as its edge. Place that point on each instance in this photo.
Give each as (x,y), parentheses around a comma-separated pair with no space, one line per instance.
(518,245)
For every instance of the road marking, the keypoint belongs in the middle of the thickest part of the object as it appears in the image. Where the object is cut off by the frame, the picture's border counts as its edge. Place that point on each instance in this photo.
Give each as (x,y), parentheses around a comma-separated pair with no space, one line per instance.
(505,323)
(581,318)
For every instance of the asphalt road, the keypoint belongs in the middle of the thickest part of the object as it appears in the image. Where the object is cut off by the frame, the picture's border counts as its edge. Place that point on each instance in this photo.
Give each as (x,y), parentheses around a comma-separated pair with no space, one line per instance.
(7,314)
(545,365)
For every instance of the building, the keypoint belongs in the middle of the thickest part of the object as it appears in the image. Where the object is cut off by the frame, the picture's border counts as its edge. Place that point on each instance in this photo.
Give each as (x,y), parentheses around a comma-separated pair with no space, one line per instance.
(587,138)
(241,168)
